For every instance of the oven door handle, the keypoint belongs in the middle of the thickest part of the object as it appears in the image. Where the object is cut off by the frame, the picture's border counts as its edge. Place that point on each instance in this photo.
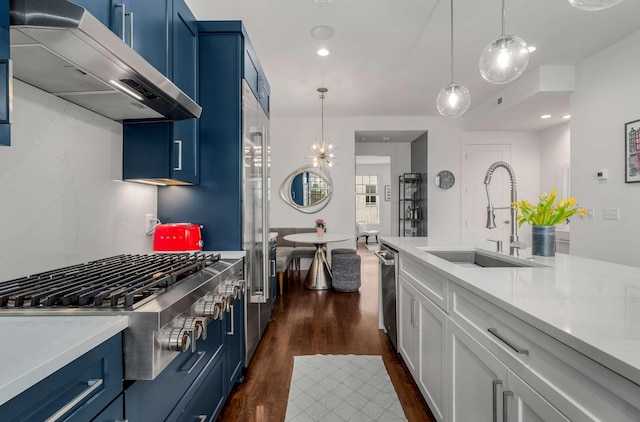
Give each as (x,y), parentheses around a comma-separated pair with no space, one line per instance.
(93,385)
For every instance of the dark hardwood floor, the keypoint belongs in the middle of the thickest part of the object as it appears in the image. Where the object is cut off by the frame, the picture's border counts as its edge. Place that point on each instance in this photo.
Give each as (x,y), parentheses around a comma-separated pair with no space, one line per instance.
(307,322)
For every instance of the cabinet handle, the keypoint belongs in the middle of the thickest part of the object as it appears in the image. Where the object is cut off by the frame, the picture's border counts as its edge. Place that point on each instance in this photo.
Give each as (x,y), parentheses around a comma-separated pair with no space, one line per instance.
(233,322)
(197,361)
(273,268)
(93,385)
(411,301)
(179,142)
(517,349)
(202,418)
(6,70)
(496,383)
(130,14)
(505,405)
(122,20)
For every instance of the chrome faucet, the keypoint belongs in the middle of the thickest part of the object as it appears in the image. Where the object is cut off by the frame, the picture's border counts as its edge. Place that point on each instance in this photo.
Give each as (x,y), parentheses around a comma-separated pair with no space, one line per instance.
(514,244)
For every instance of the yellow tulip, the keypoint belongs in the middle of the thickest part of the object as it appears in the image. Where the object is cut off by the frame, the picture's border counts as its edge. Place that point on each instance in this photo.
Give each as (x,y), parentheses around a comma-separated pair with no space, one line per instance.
(544,194)
(515,204)
(582,211)
(554,192)
(519,217)
(525,202)
(571,201)
(560,203)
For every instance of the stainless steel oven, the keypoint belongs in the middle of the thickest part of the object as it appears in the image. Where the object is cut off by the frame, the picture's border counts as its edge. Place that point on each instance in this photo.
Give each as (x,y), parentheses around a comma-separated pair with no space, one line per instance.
(388,258)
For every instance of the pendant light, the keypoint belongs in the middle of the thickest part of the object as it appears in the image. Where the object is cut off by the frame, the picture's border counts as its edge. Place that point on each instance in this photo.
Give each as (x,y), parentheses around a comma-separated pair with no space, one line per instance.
(592,5)
(454,99)
(323,152)
(504,59)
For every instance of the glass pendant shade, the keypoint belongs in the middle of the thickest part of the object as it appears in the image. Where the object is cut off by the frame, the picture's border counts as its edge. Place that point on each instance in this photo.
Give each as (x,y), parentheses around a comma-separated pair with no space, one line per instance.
(593,5)
(453,100)
(504,59)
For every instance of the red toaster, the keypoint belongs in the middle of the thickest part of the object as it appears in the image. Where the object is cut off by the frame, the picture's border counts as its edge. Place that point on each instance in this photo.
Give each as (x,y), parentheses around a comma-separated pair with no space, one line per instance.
(177,237)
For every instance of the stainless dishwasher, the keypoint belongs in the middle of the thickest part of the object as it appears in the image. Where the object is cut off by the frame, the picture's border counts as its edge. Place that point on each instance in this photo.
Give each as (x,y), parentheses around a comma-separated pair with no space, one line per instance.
(388,280)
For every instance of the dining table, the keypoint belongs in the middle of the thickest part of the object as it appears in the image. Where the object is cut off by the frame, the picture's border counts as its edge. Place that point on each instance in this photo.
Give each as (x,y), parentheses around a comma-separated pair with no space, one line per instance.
(319,274)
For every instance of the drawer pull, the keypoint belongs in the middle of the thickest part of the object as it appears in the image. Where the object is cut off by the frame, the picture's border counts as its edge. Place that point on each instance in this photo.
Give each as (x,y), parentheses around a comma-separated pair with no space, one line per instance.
(519,350)
(233,323)
(505,405)
(197,361)
(93,385)
(496,383)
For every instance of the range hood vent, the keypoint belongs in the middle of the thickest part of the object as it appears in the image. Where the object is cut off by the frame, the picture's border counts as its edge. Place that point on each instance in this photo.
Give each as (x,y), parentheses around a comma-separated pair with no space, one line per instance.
(61,48)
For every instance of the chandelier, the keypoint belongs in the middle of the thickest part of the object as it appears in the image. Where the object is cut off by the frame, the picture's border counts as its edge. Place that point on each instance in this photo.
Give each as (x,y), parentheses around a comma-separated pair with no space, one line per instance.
(323,152)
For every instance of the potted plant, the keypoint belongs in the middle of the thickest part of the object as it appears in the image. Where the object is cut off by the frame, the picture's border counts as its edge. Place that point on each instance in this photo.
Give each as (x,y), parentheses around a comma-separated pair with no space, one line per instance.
(543,217)
(321,227)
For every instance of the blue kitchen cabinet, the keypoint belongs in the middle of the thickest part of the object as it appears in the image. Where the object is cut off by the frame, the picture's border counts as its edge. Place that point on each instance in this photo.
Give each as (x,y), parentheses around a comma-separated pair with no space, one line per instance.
(216,202)
(5,75)
(168,152)
(167,394)
(112,413)
(92,382)
(234,340)
(205,402)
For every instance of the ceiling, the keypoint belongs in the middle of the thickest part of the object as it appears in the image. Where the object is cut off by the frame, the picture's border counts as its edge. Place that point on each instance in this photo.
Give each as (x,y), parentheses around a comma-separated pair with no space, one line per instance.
(391,58)
(403,136)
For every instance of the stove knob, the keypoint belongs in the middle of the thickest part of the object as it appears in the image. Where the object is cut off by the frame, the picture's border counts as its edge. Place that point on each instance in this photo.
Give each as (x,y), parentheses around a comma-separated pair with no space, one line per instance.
(196,326)
(239,286)
(229,290)
(208,309)
(179,339)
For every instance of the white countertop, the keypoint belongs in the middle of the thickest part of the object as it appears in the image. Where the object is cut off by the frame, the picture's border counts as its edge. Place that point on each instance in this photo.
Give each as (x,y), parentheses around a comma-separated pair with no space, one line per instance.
(592,306)
(37,346)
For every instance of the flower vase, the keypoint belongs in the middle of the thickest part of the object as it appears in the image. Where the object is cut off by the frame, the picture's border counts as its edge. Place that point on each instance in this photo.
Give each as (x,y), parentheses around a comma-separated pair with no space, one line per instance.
(320,231)
(543,240)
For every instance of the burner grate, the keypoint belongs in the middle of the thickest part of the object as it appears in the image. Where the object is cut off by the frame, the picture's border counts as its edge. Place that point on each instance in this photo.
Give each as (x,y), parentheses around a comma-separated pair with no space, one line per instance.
(119,281)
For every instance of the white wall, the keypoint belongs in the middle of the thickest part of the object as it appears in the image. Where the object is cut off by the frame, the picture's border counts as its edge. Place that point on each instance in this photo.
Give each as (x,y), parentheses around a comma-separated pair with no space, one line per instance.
(555,152)
(383,171)
(290,141)
(606,97)
(400,155)
(59,203)
(291,138)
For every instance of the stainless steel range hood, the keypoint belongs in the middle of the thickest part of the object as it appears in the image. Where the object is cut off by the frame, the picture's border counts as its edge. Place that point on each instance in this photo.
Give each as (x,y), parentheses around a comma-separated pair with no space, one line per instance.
(61,48)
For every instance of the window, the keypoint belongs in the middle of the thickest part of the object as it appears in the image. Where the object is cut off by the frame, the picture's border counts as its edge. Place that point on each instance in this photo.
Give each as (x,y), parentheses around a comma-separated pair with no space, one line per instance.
(367,199)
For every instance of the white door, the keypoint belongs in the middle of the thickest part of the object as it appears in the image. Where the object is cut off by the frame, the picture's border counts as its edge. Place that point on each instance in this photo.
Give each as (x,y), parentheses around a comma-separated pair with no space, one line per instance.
(476,379)
(433,356)
(408,310)
(476,159)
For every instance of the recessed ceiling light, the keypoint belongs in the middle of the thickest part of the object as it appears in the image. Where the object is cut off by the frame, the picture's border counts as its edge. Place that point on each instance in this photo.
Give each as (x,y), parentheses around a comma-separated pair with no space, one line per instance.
(531,48)
(363,139)
(322,32)
(566,116)
(323,52)
(545,116)
(386,138)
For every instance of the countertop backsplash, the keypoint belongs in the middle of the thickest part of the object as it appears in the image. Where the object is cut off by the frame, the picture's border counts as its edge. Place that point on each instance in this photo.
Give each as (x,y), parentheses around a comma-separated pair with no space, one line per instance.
(60,202)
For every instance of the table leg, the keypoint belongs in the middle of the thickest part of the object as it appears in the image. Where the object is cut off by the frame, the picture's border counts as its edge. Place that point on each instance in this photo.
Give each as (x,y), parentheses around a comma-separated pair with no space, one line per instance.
(319,275)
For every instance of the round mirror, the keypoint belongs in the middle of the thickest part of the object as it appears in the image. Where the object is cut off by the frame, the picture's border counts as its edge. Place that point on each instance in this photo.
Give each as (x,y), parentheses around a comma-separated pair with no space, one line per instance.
(307,189)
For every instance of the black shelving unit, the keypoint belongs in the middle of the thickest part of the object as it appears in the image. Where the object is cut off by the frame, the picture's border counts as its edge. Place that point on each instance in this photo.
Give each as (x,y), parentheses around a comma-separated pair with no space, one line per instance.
(411,212)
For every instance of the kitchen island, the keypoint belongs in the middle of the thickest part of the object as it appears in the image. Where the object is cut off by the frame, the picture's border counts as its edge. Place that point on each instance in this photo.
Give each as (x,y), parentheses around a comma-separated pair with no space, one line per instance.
(555,314)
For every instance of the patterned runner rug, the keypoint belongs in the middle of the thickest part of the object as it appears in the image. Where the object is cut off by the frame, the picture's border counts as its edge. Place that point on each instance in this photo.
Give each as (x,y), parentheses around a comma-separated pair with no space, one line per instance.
(342,388)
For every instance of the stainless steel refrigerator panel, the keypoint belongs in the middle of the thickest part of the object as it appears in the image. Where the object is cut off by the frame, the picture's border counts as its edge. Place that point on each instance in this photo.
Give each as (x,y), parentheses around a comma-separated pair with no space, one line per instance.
(255,218)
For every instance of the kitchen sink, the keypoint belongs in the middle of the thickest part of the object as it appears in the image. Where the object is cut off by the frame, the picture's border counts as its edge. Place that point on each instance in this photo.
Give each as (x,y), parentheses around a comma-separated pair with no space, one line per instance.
(476,258)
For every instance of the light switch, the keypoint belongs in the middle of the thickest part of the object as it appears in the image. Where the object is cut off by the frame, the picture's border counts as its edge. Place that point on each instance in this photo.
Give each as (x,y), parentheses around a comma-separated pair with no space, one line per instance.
(612,213)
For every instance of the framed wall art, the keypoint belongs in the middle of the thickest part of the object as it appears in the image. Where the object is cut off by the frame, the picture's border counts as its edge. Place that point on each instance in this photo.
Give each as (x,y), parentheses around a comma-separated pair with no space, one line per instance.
(632,152)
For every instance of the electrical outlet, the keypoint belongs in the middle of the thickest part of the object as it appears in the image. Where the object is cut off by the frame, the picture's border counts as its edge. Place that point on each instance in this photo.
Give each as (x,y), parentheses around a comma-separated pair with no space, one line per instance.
(149,219)
(612,213)
(590,213)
